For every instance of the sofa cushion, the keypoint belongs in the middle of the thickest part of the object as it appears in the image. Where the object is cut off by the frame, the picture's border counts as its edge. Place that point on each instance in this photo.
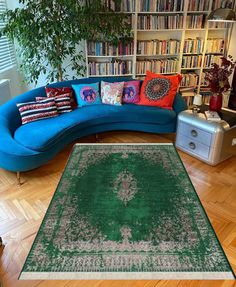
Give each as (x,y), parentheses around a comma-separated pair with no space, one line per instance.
(63,103)
(159,90)
(53,92)
(42,136)
(112,93)
(131,92)
(34,111)
(87,94)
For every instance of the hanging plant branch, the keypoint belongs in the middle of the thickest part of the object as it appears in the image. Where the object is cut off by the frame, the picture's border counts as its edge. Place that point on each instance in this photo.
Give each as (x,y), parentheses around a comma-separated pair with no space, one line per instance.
(48,34)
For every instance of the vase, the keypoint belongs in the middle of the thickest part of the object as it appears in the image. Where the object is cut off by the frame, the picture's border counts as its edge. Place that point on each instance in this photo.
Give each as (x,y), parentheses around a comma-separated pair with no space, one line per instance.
(215,102)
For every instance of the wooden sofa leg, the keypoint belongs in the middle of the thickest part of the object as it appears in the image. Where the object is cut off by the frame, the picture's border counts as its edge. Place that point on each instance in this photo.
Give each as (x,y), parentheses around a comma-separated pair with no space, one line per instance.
(18,177)
(96,137)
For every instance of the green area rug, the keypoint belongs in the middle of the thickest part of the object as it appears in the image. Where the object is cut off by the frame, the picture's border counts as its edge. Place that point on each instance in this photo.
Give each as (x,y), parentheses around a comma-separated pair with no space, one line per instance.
(125,212)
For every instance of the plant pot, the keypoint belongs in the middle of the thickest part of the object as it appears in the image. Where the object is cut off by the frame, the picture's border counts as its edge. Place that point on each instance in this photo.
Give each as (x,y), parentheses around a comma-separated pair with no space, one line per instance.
(215,102)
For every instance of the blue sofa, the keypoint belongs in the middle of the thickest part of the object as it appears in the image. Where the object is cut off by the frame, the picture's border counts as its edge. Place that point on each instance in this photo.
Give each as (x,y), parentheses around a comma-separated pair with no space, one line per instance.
(25,147)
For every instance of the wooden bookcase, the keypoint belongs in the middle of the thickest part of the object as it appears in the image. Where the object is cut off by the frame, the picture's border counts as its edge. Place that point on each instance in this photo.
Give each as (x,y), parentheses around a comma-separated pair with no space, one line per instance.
(203,32)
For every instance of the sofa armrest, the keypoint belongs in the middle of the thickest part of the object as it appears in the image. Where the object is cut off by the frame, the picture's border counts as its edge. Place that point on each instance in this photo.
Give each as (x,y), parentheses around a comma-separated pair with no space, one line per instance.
(179,104)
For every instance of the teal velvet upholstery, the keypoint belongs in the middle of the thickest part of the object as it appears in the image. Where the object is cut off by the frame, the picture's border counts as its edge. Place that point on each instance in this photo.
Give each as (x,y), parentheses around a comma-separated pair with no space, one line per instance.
(25,147)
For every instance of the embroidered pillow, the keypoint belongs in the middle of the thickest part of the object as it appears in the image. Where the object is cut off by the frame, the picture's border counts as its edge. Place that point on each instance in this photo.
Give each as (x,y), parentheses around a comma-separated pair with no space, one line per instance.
(112,93)
(33,111)
(87,94)
(62,103)
(159,90)
(53,92)
(131,92)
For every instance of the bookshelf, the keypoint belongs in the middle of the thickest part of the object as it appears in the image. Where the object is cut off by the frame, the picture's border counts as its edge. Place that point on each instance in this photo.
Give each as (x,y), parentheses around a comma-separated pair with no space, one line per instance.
(169,36)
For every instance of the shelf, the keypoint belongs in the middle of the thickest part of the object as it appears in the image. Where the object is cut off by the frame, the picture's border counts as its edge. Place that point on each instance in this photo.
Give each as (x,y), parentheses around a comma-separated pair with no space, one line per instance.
(196,68)
(160,30)
(197,12)
(195,29)
(161,55)
(122,56)
(118,12)
(186,54)
(212,53)
(212,29)
(97,76)
(161,13)
(158,73)
(176,60)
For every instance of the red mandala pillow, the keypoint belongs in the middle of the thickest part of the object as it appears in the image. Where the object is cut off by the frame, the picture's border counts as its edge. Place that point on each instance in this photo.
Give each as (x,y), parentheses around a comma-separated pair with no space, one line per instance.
(159,90)
(54,92)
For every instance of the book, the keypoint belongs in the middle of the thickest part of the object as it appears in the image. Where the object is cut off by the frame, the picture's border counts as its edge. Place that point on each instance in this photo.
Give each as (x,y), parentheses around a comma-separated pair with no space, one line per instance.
(212,116)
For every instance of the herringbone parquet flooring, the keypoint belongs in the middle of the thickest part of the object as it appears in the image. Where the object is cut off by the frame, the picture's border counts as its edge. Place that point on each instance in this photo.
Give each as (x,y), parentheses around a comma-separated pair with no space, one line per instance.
(23,207)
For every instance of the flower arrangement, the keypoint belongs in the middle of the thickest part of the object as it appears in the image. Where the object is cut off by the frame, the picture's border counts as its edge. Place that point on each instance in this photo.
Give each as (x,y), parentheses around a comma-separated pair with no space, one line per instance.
(218,75)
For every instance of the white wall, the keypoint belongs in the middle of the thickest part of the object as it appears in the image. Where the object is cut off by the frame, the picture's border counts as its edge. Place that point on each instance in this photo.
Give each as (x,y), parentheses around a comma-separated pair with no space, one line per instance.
(16,85)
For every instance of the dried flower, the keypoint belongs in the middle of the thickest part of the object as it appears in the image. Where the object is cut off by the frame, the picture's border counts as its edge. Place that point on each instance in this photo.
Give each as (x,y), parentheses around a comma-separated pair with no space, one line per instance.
(218,75)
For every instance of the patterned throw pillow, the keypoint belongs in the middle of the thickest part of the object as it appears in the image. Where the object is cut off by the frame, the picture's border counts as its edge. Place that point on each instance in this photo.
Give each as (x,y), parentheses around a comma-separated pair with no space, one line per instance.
(34,111)
(87,94)
(131,92)
(112,93)
(62,103)
(53,92)
(159,90)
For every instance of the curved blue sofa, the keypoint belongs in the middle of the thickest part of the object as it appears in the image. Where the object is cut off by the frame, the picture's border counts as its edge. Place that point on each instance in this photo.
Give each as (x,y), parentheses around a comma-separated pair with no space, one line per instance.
(25,147)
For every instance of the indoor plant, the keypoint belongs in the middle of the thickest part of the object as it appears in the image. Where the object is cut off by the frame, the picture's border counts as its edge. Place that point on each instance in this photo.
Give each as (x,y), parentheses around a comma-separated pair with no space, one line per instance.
(218,79)
(49,34)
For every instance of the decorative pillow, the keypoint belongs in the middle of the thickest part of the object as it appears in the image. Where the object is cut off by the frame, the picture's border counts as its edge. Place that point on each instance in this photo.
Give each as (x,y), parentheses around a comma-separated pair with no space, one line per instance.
(87,94)
(159,90)
(33,111)
(62,103)
(53,92)
(112,93)
(131,92)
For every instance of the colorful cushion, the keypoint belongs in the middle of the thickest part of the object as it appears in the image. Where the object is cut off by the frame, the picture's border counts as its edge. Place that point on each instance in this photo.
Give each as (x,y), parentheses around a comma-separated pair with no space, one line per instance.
(112,93)
(131,92)
(87,94)
(53,92)
(62,103)
(33,111)
(159,90)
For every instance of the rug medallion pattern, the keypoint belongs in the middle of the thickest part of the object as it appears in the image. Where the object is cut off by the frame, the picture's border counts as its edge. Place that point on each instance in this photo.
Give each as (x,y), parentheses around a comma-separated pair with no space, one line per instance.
(125,208)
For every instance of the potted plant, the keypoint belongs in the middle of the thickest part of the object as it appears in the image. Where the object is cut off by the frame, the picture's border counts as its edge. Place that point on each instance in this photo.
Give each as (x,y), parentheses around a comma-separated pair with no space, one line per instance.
(49,34)
(218,79)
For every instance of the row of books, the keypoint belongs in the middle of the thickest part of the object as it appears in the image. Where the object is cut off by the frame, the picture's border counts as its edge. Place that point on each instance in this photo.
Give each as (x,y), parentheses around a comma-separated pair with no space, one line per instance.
(154,22)
(160,5)
(195,21)
(215,45)
(189,80)
(120,6)
(193,45)
(192,61)
(219,25)
(155,47)
(210,59)
(222,4)
(158,47)
(109,49)
(198,5)
(157,66)
(110,68)
(166,5)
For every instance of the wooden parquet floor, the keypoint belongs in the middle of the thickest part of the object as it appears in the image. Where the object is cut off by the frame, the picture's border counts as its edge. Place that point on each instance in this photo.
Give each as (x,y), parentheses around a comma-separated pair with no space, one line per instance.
(22,209)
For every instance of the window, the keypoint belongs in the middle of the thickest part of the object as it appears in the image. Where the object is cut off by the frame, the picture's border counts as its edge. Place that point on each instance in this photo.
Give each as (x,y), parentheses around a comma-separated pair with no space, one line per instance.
(7,55)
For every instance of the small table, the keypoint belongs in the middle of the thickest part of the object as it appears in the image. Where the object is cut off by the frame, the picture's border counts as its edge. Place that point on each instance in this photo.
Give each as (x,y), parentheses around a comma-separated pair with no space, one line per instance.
(211,142)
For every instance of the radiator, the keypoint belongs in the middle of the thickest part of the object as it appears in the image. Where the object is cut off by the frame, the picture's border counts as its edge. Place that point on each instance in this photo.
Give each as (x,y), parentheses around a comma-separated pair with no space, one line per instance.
(5,93)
